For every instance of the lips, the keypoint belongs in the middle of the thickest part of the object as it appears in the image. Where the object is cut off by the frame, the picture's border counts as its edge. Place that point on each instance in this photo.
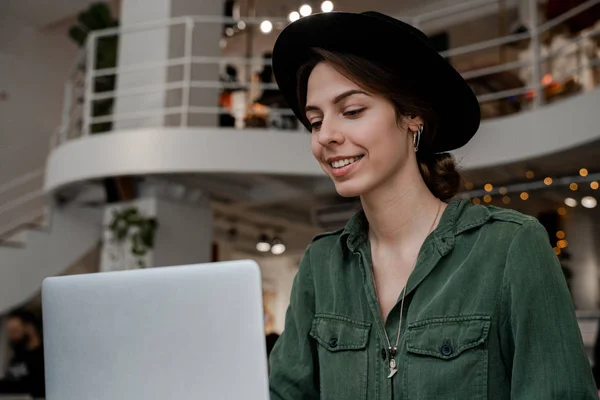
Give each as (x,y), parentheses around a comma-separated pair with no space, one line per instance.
(343,166)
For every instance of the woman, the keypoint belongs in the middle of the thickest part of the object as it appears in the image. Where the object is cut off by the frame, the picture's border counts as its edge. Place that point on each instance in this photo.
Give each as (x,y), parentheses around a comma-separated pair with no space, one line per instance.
(419,296)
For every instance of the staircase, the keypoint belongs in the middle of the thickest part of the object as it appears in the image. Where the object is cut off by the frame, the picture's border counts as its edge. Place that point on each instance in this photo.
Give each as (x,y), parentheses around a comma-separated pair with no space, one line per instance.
(36,253)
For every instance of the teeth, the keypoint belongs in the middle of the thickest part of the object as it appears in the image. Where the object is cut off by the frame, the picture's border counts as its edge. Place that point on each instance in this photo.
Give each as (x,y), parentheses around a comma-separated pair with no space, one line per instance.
(343,163)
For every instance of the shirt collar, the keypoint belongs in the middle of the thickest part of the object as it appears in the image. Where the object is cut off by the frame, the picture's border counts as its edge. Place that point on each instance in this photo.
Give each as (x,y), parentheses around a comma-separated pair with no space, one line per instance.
(458,217)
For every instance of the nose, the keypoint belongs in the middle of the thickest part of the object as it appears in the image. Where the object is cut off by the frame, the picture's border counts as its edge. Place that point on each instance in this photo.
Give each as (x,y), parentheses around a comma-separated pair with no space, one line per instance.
(329,133)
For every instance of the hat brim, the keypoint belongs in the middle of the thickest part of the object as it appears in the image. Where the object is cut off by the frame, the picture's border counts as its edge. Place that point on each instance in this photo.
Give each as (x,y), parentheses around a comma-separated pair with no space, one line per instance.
(395,46)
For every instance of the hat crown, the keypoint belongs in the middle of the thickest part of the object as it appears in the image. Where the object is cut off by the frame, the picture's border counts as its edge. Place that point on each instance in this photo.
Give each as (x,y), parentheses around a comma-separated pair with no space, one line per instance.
(401,24)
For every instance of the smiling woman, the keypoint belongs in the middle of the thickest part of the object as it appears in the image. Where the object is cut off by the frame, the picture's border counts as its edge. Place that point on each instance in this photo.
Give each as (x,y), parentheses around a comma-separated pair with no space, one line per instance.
(420,296)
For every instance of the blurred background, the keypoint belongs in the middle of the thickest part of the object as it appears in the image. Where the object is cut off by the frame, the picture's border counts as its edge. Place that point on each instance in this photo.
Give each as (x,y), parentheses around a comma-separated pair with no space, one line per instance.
(143,133)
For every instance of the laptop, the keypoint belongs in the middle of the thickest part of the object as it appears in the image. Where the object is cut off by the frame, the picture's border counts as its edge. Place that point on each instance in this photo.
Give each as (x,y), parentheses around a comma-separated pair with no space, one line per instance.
(188,332)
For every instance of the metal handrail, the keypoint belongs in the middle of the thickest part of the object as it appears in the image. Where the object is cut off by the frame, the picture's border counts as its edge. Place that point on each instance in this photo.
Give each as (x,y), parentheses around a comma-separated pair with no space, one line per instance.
(189,59)
(27,177)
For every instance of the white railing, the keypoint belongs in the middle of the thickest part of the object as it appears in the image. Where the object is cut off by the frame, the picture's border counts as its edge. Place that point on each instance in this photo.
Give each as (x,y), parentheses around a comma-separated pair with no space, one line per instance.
(79,118)
(26,206)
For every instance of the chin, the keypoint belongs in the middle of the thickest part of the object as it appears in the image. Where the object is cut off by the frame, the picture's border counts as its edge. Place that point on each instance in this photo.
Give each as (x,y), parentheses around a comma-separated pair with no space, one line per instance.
(348,189)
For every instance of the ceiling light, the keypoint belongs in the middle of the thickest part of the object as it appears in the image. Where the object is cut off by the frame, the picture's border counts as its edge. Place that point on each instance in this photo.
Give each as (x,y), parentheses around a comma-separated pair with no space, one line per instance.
(560,234)
(573,186)
(583,172)
(305,10)
(503,191)
(594,185)
(263,244)
(571,202)
(294,16)
(529,174)
(476,200)
(506,200)
(548,181)
(229,31)
(278,247)
(327,6)
(488,187)
(241,25)
(589,202)
(266,26)
(487,198)
(469,185)
(562,211)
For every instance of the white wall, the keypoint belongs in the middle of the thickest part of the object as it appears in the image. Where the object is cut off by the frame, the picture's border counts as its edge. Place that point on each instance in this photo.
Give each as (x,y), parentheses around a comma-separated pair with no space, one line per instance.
(33,70)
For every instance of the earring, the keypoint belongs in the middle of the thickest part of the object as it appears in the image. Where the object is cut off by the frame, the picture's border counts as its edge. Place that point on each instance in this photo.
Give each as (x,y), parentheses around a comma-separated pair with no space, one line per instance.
(417,138)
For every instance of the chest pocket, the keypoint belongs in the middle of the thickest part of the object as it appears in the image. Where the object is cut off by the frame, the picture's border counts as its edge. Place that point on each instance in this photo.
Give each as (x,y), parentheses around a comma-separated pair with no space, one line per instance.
(342,352)
(447,358)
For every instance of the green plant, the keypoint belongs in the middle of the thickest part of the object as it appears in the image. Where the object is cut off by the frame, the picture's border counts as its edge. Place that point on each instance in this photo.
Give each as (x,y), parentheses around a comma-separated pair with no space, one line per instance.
(96,17)
(130,224)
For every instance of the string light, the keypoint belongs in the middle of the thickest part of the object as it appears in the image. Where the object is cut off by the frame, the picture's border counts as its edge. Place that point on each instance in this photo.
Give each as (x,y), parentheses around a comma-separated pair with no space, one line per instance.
(562,244)
(548,181)
(562,211)
(524,196)
(573,186)
(488,187)
(294,16)
(327,6)
(305,10)
(266,26)
(503,191)
(594,185)
(469,185)
(476,201)
(560,234)
(557,251)
(506,200)
(583,172)
(487,198)
(529,174)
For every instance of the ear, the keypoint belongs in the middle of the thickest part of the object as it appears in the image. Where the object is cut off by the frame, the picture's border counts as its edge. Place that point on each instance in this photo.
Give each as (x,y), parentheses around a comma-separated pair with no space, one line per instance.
(413,122)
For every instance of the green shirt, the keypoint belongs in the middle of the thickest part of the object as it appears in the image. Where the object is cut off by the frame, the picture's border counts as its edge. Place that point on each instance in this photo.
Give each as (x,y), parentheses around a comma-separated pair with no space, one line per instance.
(487,315)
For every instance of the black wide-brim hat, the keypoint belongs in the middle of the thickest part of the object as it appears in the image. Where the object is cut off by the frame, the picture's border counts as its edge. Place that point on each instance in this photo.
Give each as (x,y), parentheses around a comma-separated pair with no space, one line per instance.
(393,44)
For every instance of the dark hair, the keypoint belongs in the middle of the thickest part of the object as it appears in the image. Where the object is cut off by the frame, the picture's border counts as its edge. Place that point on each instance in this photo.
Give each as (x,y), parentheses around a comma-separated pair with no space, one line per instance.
(439,171)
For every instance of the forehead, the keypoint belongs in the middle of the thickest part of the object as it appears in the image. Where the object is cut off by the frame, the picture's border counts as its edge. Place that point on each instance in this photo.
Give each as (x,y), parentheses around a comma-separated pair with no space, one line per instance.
(14,323)
(325,82)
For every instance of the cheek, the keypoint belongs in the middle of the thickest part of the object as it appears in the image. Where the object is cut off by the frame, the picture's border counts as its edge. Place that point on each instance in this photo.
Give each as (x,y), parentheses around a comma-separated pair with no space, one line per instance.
(315,147)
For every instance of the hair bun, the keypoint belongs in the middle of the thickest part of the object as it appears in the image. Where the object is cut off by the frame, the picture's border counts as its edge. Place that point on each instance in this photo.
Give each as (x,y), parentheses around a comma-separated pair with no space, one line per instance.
(440,173)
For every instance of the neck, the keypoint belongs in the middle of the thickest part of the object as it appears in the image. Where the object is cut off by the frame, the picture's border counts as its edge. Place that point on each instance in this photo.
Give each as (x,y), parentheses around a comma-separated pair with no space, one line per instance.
(402,213)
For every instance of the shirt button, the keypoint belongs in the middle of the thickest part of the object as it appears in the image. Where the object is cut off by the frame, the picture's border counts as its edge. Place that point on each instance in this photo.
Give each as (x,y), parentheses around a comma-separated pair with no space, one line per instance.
(383,354)
(333,342)
(446,349)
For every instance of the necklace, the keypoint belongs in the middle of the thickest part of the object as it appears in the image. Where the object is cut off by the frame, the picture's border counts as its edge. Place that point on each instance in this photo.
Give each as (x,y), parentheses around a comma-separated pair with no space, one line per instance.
(392,351)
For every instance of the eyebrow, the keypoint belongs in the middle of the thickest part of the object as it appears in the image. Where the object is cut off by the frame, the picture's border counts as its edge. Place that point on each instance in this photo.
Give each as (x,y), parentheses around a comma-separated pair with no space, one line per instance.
(337,99)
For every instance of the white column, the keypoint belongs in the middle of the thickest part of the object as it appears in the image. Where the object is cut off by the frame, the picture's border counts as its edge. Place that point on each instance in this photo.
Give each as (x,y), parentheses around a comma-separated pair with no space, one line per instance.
(158,44)
(184,234)
(583,237)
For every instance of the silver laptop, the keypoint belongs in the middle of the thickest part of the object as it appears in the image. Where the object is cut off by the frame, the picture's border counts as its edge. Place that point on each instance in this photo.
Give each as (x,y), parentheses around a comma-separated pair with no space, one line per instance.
(173,333)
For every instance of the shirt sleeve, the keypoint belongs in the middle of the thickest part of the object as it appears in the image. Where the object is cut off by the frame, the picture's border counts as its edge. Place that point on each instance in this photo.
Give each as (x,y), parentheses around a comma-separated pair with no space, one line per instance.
(293,361)
(545,349)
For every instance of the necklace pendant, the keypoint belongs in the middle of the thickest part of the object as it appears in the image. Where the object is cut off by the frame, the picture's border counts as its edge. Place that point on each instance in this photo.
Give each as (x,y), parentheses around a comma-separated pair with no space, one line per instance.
(393,368)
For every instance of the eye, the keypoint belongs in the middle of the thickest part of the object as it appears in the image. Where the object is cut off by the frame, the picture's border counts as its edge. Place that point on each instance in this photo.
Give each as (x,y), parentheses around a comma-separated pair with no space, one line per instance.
(315,126)
(354,113)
